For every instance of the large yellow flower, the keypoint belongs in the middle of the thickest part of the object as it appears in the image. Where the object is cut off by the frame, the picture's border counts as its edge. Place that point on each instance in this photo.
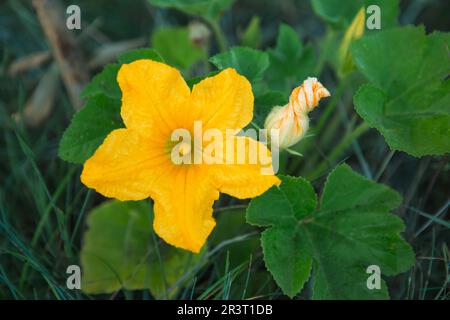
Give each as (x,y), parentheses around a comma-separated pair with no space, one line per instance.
(135,163)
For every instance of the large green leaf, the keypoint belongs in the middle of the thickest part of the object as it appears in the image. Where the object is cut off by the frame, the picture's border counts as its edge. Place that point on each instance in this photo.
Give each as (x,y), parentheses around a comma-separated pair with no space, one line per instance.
(89,127)
(341,13)
(408,98)
(290,62)
(176,48)
(351,230)
(248,62)
(119,252)
(209,9)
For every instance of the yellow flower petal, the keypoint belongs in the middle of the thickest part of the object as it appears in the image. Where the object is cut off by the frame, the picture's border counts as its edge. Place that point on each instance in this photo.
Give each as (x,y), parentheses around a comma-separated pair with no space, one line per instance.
(125,165)
(134,163)
(153,94)
(183,207)
(224,101)
(245,180)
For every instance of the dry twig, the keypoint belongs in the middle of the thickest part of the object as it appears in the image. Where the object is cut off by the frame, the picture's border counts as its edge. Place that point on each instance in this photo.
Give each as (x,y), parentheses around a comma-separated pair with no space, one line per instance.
(67,55)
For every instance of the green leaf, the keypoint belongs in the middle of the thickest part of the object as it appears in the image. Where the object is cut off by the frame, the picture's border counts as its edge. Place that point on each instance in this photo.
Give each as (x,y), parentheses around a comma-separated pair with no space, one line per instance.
(252,36)
(351,230)
(290,62)
(193,81)
(104,83)
(119,252)
(248,62)
(209,9)
(89,127)
(408,97)
(341,13)
(137,54)
(176,48)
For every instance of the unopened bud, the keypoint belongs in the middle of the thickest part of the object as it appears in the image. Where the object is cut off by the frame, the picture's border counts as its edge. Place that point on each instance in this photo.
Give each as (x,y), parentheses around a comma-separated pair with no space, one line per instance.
(292,119)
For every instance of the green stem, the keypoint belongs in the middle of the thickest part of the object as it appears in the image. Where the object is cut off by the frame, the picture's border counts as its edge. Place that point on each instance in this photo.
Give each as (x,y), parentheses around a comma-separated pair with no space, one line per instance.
(219,35)
(337,152)
(384,165)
